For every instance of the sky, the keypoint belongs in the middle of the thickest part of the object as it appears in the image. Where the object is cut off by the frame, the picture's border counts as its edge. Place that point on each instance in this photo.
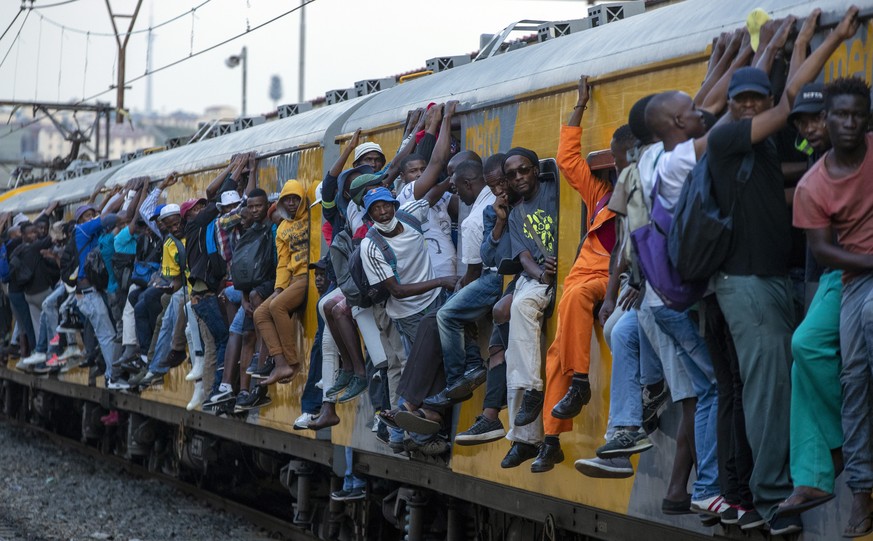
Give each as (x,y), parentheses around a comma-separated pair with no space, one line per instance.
(346,41)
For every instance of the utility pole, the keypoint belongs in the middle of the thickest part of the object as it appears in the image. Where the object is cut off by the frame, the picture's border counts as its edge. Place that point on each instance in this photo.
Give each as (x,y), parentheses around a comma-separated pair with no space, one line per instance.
(301,68)
(234,61)
(122,52)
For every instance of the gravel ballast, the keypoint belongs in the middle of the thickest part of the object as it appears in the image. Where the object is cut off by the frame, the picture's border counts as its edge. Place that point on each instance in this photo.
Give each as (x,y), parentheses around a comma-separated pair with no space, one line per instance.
(50,493)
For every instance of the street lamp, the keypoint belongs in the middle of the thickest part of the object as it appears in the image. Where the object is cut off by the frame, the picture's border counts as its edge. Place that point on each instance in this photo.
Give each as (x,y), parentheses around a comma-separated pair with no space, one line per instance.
(234,61)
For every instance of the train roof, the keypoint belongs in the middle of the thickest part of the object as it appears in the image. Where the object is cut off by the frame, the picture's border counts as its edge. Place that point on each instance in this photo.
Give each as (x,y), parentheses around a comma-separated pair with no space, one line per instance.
(662,34)
(64,193)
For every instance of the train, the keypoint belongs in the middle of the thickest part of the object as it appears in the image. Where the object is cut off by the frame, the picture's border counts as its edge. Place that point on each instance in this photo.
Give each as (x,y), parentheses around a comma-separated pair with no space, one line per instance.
(518,98)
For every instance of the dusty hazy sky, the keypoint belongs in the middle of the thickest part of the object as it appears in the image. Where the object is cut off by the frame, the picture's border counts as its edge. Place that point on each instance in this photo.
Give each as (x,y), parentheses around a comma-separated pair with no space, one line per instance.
(347,41)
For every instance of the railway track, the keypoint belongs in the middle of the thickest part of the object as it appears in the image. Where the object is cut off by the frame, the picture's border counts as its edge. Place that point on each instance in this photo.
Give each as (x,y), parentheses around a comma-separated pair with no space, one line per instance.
(276,527)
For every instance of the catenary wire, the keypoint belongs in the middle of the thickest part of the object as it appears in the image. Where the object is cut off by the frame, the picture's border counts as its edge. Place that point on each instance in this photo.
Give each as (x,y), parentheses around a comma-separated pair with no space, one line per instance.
(110,34)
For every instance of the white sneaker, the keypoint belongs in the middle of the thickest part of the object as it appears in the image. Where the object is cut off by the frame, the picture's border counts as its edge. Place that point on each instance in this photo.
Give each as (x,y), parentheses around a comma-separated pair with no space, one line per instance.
(118,385)
(302,422)
(200,395)
(714,505)
(71,351)
(197,368)
(34,358)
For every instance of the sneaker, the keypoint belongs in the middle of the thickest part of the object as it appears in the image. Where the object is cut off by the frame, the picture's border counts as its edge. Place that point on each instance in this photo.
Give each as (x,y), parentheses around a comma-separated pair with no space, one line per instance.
(131,364)
(110,419)
(468,383)
(357,385)
(654,404)
(265,371)
(71,351)
(433,447)
(55,341)
(252,400)
(40,368)
(343,380)
(786,525)
(218,397)
(34,358)
(531,408)
(302,422)
(382,434)
(750,519)
(69,364)
(732,514)
(483,430)
(151,378)
(619,467)
(348,495)
(20,365)
(625,443)
(55,362)
(198,397)
(571,405)
(135,379)
(118,384)
(714,505)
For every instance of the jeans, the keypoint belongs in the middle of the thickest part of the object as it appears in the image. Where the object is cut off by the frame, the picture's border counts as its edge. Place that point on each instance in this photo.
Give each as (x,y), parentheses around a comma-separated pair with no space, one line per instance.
(146,311)
(675,373)
(632,357)
(465,307)
(693,352)
(350,482)
(165,335)
(816,395)
(310,401)
(48,318)
(760,314)
(207,309)
(856,337)
(22,317)
(93,306)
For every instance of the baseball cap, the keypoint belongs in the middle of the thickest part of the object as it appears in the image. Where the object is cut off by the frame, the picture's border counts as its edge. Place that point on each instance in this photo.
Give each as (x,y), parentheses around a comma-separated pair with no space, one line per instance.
(156,213)
(229,198)
(320,264)
(748,79)
(361,183)
(189,204)
(809,100)
(343,178)
(369,146)
(378,194)
(170,209)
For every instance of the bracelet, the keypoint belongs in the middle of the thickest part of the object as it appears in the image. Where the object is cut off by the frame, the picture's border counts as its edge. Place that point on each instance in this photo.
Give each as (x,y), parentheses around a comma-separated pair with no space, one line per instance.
(583,107)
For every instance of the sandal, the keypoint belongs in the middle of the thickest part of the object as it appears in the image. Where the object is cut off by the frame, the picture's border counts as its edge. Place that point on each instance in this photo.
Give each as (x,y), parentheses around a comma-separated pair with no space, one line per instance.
(417,422)
(387,416)
(798,503)
(860,528)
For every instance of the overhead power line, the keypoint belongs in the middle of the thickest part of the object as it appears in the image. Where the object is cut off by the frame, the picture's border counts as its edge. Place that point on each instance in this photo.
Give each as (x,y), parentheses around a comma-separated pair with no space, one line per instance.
(14,39)
(65,2)
(11,23)
(171,64)
(110,34)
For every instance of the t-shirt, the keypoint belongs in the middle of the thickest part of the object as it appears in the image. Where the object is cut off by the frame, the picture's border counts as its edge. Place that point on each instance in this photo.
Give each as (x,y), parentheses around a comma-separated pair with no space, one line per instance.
(107,250)
(170,264)
(542,210)
(413,264)
(472,228)
(125,242)
(761,241)
(437,230)
(846,204)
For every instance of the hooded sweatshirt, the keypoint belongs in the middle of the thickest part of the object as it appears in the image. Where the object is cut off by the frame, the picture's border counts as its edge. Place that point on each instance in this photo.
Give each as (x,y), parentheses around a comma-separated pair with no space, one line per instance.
(292,237)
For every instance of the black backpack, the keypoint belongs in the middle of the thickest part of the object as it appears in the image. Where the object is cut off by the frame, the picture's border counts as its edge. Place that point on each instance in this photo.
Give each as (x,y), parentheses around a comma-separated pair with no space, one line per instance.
(95,269)
(700,236)
(70,262)
(253,263)
(378,293)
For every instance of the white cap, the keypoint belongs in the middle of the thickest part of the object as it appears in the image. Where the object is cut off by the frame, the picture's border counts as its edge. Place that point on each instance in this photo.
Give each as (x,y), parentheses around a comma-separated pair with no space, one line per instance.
(230,197)
(170,210)
(317,196)
(19,219)
(369,146)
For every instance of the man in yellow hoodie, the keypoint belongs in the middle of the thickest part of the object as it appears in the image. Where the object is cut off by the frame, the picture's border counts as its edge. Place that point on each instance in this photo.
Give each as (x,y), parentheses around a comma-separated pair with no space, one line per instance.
(273,316)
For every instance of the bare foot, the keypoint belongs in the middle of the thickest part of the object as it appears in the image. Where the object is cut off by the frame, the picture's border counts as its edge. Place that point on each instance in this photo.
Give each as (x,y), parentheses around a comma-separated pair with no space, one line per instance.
(325,420)
(281,374)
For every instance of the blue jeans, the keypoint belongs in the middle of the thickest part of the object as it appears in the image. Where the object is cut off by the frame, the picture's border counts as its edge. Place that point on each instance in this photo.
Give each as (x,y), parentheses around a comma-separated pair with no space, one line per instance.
(693,351)
(208,310)
(634,364)
(461,309)
(22,317)
(165,335)
(146,312)
(93,306)
(350,482)
(310,400)
(48,318)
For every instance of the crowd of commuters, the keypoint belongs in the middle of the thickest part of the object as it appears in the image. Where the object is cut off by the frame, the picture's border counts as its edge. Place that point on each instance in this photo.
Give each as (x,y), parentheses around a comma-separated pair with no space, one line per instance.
(439,255)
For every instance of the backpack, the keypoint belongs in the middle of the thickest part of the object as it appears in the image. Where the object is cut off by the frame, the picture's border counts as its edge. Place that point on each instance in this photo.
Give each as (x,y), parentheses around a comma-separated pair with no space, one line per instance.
(70,262)
(20,273)
(377,293)
(700,236)
(650,243)
(216,267)
(253,262)
(95,269)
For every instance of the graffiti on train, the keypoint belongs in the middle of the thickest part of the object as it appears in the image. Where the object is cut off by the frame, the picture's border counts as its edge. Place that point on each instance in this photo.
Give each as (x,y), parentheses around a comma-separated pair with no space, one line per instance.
(487,132)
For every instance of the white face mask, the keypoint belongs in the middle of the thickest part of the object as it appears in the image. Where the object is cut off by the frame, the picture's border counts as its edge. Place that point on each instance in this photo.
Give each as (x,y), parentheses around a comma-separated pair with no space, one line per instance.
(388,226)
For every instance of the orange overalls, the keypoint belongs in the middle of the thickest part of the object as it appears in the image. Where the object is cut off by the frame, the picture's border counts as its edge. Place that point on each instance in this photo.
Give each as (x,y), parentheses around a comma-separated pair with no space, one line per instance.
(584,286)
